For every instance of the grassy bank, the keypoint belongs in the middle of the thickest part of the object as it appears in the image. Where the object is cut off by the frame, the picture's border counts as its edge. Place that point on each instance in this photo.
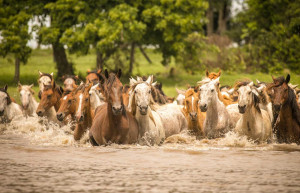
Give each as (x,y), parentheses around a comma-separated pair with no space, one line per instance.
(43,60)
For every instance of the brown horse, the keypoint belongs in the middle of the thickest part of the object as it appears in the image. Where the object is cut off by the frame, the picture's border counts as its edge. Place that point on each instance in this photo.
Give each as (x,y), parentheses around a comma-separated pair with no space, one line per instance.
(213,75)
(112,122)
(84,114)
(93,76)
(67,106)
(50,97)
(286,111)
(193,114)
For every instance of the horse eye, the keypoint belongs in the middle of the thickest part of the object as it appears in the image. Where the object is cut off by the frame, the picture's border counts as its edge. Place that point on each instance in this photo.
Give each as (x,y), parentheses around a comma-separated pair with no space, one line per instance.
(149,91)
(212,90)
(200,89)
(135,92)
(49,96)
(87,99)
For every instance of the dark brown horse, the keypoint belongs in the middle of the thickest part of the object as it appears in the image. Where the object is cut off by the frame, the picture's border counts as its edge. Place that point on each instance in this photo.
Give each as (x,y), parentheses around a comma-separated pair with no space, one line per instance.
(112,122)
(286,124)
(50,97)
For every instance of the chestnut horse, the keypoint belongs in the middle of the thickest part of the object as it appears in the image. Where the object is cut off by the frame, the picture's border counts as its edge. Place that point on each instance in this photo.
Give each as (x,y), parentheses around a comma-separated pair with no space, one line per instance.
(67,106)
(112,122)
(84,114)
(213,75)
(193,114)
(93,76)
(286,111)
(50,101)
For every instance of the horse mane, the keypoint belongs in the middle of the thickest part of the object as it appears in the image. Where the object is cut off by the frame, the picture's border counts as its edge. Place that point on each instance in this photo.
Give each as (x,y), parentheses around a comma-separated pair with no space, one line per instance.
(294,105)
(8,97)
(80,88)
(256,102)
(241,83)
(47,74)
(189,92)
(66,92)
(64,77)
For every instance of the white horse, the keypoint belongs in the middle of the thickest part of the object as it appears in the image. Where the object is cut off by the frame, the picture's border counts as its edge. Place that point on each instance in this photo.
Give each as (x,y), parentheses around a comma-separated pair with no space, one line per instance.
(45,79)
(255,122)
(265,101)
(141,105)
(8,109)
(180,97)
(217,121)
(96,98)
(28,101)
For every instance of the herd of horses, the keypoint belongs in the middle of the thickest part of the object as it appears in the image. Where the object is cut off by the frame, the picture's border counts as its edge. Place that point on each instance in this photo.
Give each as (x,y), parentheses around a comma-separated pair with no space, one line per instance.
(141,113)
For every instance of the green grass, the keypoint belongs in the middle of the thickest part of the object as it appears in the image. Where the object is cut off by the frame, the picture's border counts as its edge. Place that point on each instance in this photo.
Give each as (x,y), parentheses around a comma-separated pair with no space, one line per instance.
(43,60)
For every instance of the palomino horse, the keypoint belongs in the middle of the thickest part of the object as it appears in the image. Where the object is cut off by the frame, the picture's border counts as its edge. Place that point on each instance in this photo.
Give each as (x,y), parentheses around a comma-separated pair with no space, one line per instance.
(70,82)
(255,122)
(8,109)
(84,114)
(96,97)
(180,97)
(93,76)
(286,111)
(141,106)
(44,79)
(212,75)
(112,122)
(28,101)
(193,114)
(217,121)
(50,101)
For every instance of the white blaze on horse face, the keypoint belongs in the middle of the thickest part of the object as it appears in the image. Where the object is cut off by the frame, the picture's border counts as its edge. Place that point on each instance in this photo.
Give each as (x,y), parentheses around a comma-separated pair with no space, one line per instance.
(78,113)
(25,96)
(3,101)
(207,92)
(68,84)
(142,95)
(44,80)
(192,104)
(65,98)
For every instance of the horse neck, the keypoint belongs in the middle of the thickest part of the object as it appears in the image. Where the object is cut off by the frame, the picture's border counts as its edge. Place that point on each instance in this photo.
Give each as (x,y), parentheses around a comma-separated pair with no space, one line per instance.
(11,110)
(57,104)
(113,120)
(97,101)
(143,121)
(213,110)
(252,114)
(32,105)
(89,116)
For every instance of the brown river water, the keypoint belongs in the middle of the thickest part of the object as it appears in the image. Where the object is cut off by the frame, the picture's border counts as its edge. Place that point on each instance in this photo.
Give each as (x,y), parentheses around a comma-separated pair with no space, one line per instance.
(39,158)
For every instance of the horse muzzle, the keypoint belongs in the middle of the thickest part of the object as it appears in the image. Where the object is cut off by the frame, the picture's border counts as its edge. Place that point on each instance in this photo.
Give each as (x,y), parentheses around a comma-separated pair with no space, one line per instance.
(79,118)
(143,110)
(25,107)
(40,113)
(203,108)
(242,109)
(117,110)
(193,116)
(277,107)
(60,116)
(1,113)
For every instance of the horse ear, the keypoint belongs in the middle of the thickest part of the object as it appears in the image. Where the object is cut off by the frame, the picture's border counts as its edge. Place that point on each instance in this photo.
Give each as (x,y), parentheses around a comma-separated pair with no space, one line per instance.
(160,86)
(206,73)
(5,88)
(154,84)
(19,86)
(219,73)
(251,83)
(99,71)
(150,79)
(40,73)
(119,73)
(273,78)
(288,77)
(139,79)
(106,73)
(51,74)
(132,81)
(257,81)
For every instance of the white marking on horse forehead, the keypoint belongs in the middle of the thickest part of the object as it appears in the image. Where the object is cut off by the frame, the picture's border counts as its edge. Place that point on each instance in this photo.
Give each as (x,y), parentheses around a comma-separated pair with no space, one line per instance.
(192,103)
(69,81)
(45,79)
(80,101)
(142,86)
(115,91)
(65,98)
(3,95)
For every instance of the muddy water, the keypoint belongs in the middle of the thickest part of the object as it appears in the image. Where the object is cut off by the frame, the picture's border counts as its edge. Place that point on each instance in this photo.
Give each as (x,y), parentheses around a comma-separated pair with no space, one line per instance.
(39,158)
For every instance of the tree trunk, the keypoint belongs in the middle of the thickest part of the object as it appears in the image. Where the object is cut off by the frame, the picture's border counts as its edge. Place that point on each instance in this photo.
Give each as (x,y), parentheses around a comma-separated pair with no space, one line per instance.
(99,59)
(17,70)
(131,59)
(145,54)
(222,19)
(62,64)
(210,18)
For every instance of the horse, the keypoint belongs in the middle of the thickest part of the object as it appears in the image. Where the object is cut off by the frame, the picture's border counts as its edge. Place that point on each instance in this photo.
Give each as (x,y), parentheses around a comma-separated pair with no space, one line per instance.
(193,114)
(96,97)
(8,109)
(70,82)
(141,105)
(93,76)
(50,101)
(217,121)
(67,106)
(112,122)
(44,79)
(180,97)
(28,101)
(212,75)
(286,110)
(84,114)
(255,122)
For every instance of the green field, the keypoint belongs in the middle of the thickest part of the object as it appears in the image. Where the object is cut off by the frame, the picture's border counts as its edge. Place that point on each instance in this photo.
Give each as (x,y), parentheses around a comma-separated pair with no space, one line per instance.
(43,60)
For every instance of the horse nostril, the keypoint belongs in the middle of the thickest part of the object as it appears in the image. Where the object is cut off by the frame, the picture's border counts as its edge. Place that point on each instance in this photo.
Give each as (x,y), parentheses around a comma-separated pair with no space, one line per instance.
(205,105)
(81,118)
(1,112)
(40,113)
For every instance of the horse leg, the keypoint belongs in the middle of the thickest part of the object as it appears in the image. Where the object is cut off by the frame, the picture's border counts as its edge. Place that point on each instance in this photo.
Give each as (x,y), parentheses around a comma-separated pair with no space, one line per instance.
(92,140)
(78,132)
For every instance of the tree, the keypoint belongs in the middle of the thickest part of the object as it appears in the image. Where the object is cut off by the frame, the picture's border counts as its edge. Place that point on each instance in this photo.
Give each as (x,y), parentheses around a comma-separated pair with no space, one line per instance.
(14,18)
